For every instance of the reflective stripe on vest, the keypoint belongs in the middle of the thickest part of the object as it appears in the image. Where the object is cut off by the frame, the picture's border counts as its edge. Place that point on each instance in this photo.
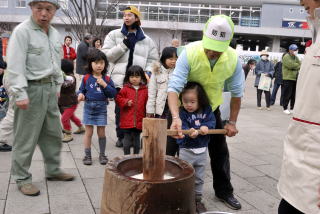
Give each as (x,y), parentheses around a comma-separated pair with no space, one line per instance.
(213,80)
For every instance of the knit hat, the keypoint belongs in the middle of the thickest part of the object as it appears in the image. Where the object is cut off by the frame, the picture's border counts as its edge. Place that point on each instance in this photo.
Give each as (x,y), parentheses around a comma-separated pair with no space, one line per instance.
(134,10)
(264,52)
(293,47)
(218,33)
(54,2)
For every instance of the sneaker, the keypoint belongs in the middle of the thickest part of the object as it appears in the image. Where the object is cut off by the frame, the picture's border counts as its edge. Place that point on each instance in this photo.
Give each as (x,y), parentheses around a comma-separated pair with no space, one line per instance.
(119,142)
(66,131)
(67,137)
(5,148)
(103,159)
(231,202)
(200,208)
(87,160)
(80,130)
(29,190)
(287,111)
(260,108)
(268,109)
(61,177)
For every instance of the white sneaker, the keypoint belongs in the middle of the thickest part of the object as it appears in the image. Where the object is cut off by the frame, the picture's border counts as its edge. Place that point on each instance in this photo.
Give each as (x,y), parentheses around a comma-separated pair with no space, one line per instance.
(287,112)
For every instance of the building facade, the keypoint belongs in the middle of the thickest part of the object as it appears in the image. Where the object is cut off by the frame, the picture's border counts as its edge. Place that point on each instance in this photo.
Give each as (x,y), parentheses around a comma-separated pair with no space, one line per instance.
(259,24)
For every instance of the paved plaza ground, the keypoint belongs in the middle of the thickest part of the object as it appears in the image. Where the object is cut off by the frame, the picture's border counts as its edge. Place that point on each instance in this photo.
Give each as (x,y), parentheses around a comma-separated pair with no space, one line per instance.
(255,155)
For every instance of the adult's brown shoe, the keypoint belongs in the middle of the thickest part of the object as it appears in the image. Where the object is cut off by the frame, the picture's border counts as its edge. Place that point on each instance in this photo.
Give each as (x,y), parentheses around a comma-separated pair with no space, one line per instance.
(29,190)
(61,177)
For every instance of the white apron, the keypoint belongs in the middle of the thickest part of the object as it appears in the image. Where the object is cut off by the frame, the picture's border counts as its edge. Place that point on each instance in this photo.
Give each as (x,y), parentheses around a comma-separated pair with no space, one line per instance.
(300,174)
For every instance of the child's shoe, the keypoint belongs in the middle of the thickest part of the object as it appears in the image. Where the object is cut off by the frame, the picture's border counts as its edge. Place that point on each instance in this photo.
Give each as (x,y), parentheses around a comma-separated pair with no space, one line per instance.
(200,208)
(80,130)
(87,160)
(67,137)
(103,159)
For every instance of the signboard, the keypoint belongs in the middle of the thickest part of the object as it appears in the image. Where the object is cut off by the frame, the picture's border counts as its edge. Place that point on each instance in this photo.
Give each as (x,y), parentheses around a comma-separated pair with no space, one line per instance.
(295,24)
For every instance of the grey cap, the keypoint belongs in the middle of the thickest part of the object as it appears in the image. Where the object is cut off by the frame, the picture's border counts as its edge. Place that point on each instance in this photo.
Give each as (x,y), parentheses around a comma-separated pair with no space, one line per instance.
(54,2)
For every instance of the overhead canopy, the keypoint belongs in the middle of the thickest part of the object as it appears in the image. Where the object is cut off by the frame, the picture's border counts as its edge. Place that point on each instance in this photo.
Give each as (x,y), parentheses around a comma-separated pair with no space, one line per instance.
(231,2)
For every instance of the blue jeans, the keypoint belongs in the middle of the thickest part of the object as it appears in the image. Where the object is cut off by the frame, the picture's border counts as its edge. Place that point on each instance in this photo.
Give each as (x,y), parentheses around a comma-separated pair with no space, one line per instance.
(274,94)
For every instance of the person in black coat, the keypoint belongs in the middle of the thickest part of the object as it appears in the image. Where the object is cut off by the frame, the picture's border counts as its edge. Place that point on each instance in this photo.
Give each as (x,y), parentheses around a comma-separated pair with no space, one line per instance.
(277,82)
(250,66)
(82,52)
(3,64)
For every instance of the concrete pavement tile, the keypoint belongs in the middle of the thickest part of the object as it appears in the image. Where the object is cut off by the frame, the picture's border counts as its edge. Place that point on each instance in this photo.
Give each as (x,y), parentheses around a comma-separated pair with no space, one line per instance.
(266,184)
(4,184)
(5,160)
(244,170)
(37,155)
(67,161)
(269,170)
(97,211)
(272,159)
(94,171)
(71,204)
(94,188)
(37,171)
(77,151)
(262,201)
(252,148)
(66,187)
(245,157)
(18,203)
(2,204)
(65,147)
(241,185)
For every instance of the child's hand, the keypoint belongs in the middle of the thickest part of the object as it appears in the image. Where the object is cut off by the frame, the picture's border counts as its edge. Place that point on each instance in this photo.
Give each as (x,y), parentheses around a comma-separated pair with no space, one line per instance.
(204,130)
(129,103)
(81,97)
(101,82)
(194,133)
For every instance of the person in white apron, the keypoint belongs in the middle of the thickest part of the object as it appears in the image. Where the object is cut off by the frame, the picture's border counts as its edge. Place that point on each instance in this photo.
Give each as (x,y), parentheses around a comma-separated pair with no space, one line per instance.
(300,174)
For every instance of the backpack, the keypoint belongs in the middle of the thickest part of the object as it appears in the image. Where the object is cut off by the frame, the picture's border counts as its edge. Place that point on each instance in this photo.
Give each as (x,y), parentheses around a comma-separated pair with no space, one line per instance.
(86,77)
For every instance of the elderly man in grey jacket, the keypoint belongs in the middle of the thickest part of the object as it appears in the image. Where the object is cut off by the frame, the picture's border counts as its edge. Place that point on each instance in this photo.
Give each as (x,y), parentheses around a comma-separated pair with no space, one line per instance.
(35,78)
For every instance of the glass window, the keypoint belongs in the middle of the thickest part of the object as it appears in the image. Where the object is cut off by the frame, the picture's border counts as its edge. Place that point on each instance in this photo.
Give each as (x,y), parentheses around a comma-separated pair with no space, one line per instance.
(173,14)
(21,3)
(3,3)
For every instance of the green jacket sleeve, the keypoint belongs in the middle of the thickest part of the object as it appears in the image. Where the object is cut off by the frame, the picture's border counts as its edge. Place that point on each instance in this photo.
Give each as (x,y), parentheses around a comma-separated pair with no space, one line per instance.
(16,57)
(290,62)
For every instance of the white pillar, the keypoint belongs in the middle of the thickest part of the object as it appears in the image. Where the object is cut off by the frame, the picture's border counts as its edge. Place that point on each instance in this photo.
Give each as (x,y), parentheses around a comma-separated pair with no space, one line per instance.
(276,44)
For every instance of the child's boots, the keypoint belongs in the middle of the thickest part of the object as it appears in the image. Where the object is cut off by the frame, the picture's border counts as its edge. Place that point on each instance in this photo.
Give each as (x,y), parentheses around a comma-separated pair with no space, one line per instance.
(67,136)
(80,130)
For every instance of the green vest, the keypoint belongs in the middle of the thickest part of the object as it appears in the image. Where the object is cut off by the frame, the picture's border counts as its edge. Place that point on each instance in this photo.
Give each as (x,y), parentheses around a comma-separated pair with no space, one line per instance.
(213,80)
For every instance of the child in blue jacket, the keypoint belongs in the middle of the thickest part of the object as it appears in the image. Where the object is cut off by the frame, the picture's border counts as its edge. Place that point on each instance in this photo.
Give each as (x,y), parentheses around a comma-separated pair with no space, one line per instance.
(197,116)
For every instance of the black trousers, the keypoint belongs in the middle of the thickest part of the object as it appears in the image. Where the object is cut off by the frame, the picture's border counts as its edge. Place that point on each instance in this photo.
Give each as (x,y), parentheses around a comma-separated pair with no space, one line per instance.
(131,138)
(219,160)
(267,96)
(286,208)
(274,93)
(172,147)
(289,93)
(120,134)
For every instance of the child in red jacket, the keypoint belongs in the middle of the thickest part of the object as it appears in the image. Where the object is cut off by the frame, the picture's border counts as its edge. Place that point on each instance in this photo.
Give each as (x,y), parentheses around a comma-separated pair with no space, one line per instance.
(132,100)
